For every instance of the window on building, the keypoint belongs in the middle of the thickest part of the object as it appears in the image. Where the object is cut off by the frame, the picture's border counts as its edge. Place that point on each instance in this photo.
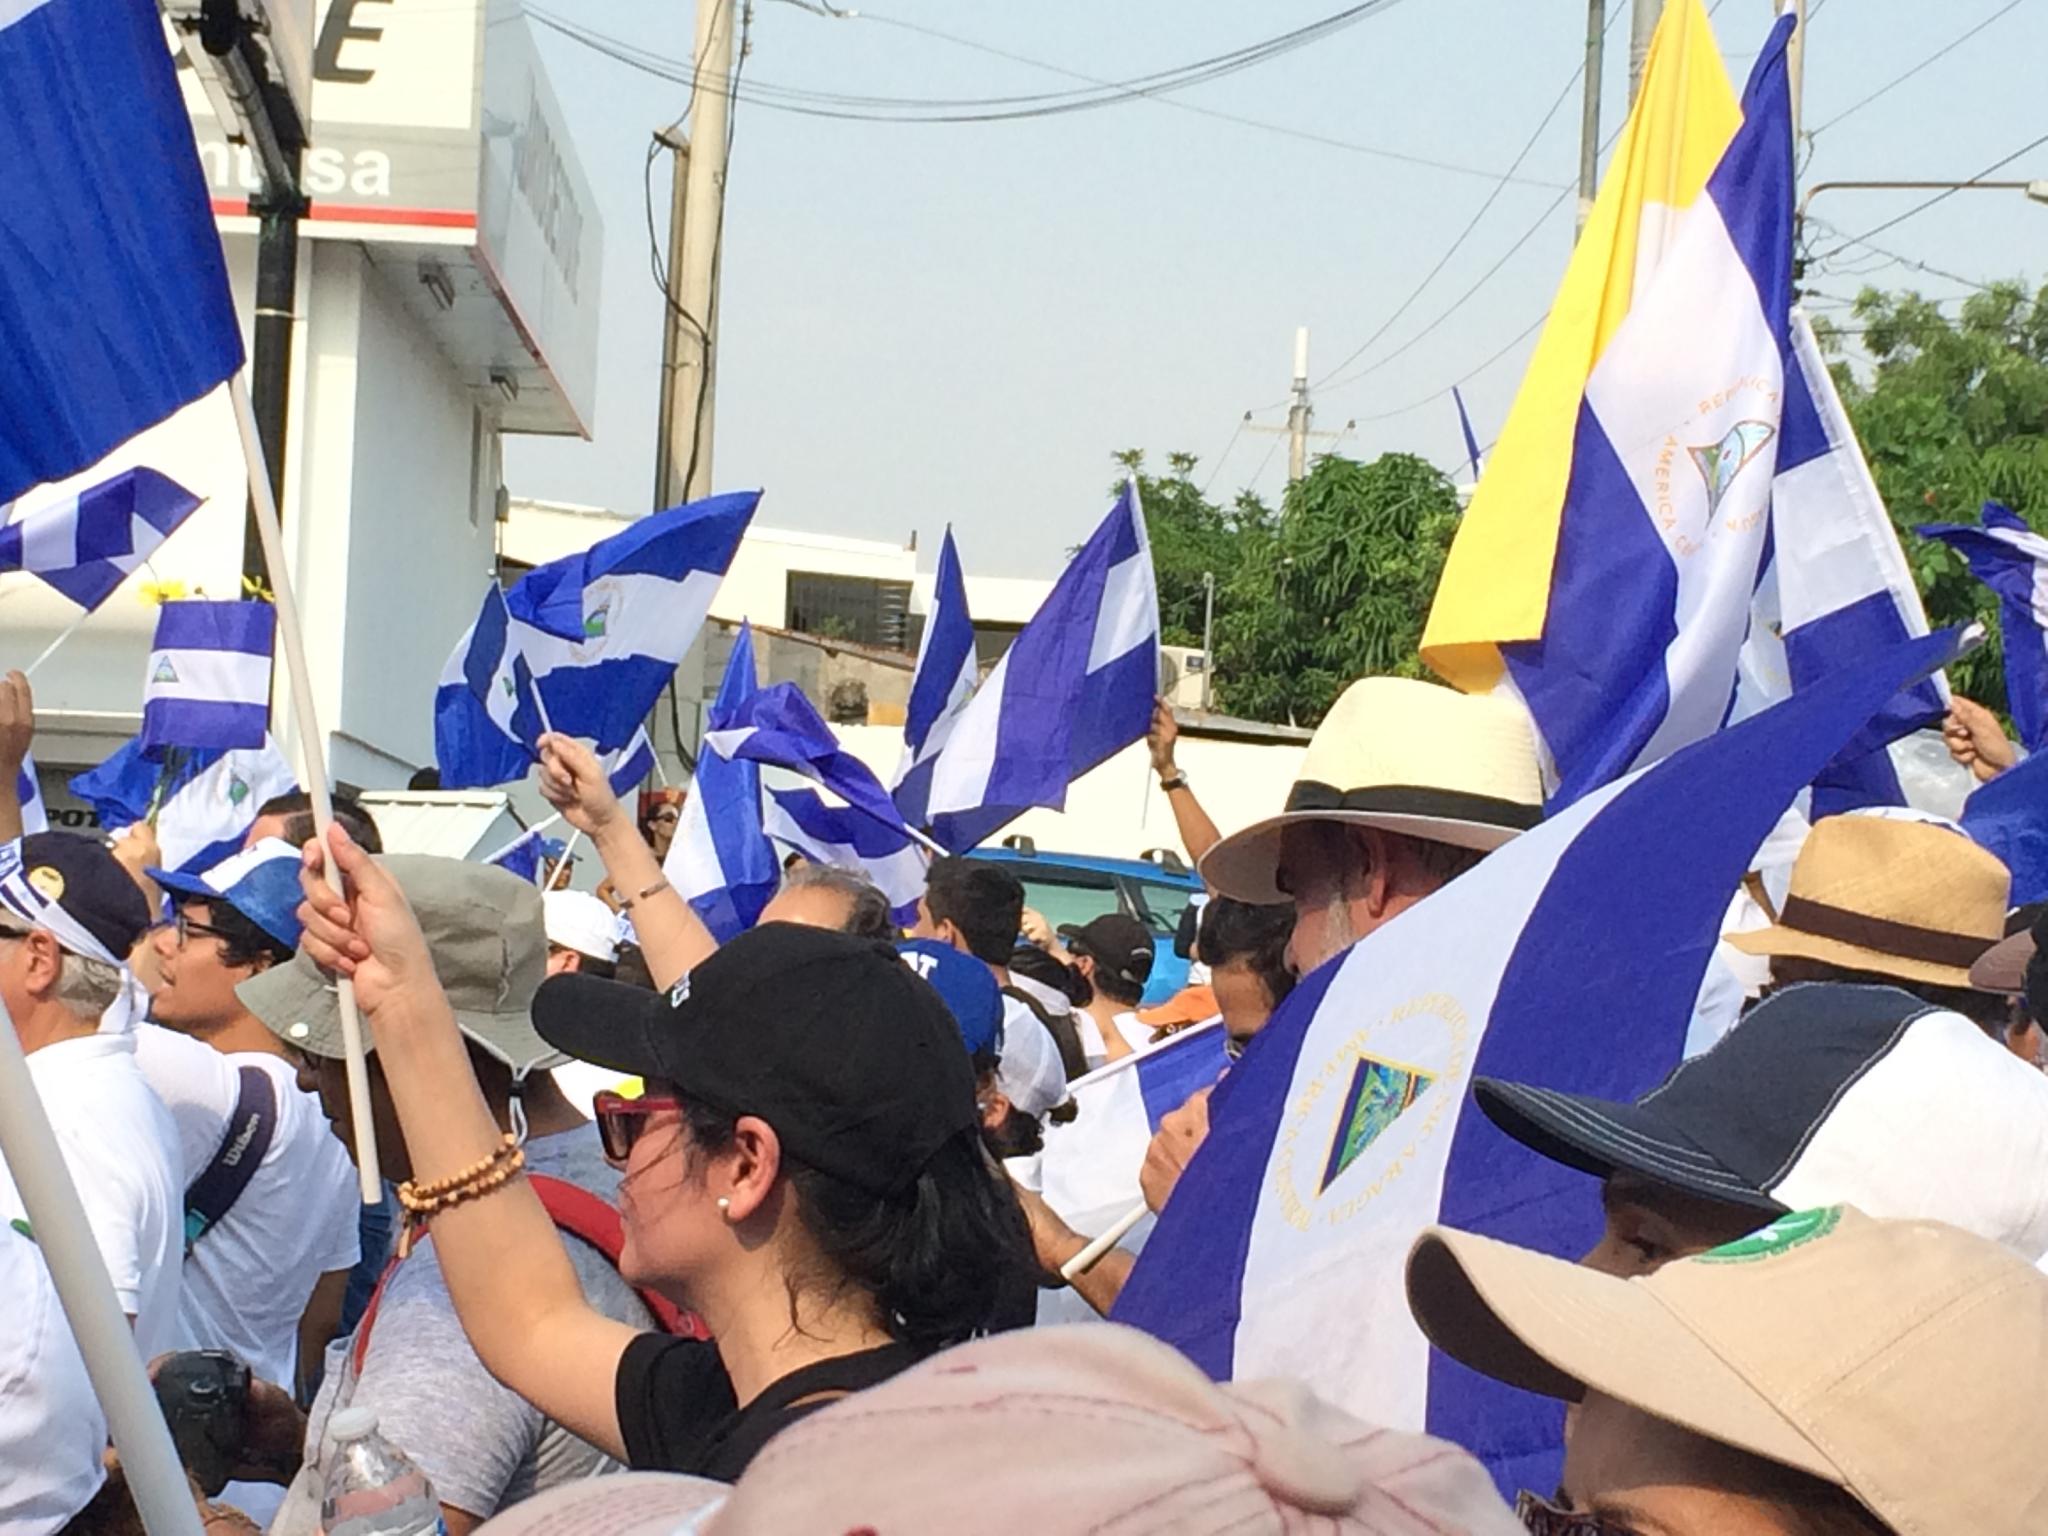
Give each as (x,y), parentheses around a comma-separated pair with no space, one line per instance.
(862,609)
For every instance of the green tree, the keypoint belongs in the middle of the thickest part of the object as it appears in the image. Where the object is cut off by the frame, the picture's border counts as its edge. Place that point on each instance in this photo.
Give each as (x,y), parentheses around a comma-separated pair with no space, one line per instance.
(1190,535)
(1337,587)
(1952,411)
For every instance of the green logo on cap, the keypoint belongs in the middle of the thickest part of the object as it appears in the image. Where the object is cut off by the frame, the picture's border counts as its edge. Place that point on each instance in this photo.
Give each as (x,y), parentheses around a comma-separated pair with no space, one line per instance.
(1784,1233)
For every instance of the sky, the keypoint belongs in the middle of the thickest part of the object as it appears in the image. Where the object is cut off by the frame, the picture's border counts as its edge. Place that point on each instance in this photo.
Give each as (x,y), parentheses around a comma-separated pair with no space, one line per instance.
(923,324)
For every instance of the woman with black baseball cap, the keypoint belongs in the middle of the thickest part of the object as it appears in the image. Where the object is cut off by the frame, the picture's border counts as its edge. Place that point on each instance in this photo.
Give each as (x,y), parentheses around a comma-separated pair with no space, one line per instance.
(804,1171)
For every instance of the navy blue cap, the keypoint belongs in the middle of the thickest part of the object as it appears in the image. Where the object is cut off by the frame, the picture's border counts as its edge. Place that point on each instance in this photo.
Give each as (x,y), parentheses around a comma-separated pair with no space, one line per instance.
(967,987)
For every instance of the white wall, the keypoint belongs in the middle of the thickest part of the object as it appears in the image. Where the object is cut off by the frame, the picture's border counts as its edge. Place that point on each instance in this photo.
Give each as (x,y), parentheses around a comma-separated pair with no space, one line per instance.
(757,585)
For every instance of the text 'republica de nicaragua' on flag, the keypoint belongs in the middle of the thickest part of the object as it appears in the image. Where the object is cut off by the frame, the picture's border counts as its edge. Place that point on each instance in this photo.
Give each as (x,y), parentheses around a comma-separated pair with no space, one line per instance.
(1571,959)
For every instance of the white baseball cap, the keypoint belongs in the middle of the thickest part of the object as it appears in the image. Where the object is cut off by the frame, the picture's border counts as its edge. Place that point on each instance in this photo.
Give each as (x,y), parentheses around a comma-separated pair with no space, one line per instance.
(51,1427)
(579,921)
(1028,1071)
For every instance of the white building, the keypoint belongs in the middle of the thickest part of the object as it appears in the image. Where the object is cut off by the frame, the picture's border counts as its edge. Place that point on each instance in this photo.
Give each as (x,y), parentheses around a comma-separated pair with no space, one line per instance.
(447,294)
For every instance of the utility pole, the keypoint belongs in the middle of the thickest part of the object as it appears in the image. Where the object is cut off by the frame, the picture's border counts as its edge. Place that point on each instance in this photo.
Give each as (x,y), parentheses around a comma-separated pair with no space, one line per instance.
(1208,637)
(671,449)
(1795,64)
(1589,120)
(1299,412)
(693,272)
(1642,27)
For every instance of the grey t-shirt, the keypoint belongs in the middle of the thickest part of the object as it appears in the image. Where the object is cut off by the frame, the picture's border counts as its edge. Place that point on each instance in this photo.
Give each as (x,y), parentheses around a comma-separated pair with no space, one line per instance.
(482,1445)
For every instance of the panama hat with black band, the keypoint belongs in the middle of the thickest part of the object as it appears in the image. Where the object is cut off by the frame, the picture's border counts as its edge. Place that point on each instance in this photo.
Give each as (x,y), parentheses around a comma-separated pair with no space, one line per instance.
(1408,757)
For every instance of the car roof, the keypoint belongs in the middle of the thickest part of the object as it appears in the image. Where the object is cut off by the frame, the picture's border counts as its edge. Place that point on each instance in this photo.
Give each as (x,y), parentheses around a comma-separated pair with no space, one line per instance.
(1135,869)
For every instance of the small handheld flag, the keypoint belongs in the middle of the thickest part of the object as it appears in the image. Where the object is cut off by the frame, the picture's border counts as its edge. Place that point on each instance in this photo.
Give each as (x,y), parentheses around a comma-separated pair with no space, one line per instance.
(85,545)
(205,802)
(208,683)
(721,861)
(947,666)
(2012,560)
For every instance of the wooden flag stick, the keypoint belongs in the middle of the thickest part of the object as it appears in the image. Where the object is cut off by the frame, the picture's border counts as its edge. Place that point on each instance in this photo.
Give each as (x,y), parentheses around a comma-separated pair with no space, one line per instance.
(1093,1254)
(314,757)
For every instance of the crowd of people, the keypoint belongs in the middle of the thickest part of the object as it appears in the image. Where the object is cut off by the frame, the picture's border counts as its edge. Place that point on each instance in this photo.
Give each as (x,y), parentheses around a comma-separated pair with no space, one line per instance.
(746,1237)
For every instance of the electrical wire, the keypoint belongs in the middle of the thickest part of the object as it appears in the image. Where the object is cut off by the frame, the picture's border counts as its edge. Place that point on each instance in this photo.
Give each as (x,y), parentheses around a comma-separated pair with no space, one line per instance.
(1940,197)
(1899,80)
(1437,394)
(1217,468)
(1893,258)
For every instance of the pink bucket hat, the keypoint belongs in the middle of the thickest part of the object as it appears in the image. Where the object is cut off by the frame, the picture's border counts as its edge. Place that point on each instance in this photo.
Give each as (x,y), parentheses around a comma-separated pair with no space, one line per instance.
(1060,1431)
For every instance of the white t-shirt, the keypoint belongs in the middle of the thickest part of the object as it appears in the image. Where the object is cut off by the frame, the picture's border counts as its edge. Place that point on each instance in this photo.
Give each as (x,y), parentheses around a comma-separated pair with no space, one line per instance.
(248,1278)
(51,1428)
(1126,1024)
(122,1151)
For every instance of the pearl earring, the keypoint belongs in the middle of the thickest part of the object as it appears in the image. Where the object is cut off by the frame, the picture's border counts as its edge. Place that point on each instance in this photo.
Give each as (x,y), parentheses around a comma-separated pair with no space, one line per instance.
(725,1207)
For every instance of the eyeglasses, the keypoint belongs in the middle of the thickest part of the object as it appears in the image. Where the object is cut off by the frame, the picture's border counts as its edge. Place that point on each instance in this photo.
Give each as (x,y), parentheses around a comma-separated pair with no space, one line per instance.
(620,1121)
(1544,1518)
(185,927)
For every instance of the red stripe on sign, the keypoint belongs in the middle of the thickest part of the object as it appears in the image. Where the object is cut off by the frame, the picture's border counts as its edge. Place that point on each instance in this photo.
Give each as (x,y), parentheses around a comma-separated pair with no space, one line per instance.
(418,218)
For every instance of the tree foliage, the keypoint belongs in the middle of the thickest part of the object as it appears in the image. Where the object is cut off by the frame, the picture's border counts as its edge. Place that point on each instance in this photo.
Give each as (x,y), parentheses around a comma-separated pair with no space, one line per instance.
(1952,411)
(1191,536)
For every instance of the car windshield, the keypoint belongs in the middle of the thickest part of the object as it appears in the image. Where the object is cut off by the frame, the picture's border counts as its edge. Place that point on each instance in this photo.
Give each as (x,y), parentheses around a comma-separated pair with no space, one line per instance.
(1067,895)
(1160,906)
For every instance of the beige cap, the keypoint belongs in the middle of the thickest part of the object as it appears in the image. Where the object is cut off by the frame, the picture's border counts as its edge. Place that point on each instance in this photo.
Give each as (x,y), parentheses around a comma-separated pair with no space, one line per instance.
(1910,899)
(1404,756)
(1905,1361)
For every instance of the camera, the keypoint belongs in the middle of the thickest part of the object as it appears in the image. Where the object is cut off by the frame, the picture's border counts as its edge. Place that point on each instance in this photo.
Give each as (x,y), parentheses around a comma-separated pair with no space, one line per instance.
(203,1393)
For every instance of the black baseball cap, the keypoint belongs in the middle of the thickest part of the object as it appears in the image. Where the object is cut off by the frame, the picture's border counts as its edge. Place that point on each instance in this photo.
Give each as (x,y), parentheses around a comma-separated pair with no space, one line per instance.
(835,1042)
(1121,944)
(1740,1121)
(88,884)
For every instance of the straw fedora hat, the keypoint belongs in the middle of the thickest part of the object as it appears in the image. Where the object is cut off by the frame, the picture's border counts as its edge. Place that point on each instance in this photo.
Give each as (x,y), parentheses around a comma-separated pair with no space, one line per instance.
(1404,756)
(1907,899)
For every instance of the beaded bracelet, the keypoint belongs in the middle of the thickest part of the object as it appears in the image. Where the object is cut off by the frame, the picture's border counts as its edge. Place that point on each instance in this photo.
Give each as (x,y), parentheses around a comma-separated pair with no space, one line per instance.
(421,1201)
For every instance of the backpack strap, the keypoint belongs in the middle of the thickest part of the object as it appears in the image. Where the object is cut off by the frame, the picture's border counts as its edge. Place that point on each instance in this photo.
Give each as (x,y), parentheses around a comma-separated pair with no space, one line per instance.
(220,1184)
(1061,1027)
(582,1215)
(579,1213)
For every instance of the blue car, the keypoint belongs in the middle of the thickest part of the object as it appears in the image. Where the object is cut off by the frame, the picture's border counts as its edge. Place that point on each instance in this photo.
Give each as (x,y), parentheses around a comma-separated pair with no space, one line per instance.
(1073,887)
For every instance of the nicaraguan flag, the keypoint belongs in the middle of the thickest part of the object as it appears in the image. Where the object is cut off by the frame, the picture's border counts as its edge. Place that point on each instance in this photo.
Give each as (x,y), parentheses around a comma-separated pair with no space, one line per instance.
(86,544)
(1075,687)
(2009,816)
(114,302)
(1605,569)
(721,860)
(603,630)
(1570,958)
(486,719)
(2012,560)
(779,728)
(207,804)
(893,862)
(631,764)
(523,856)
(1089,1170)
(947,665)
(208,683)
(28,789)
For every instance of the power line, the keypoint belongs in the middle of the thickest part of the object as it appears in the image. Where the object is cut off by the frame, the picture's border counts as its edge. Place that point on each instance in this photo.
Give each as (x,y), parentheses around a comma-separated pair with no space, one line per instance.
(1217,468)
(1899,80)
(1303,134)
(1940,197)
(1471,224)
(1893,258)
(1437,394)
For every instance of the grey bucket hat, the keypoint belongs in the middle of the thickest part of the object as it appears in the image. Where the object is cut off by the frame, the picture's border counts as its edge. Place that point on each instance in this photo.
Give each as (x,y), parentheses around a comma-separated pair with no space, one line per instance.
(484,929)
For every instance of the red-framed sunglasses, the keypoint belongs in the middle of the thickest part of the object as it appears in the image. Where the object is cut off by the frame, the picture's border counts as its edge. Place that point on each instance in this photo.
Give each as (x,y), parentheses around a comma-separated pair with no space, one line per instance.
(620,1120)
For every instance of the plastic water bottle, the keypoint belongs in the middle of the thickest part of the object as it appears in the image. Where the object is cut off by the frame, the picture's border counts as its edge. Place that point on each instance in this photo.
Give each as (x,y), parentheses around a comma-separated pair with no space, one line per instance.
(369,1487)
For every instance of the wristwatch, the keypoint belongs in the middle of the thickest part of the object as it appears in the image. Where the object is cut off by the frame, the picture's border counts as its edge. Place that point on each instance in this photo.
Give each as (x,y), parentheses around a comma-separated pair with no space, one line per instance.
(1178,780)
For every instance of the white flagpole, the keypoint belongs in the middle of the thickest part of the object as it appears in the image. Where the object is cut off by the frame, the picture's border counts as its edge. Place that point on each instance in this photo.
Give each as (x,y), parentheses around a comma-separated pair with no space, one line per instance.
(562,864)
(156,1480)
(369,1175)
(51,649)
(1092,1255)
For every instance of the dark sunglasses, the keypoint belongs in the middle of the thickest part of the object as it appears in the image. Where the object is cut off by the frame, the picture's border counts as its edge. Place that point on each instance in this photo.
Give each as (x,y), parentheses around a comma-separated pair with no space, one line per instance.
(1544,1518)
(620,1121)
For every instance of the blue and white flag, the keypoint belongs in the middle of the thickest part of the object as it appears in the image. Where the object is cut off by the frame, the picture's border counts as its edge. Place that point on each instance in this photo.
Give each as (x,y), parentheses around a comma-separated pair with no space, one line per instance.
(603,630)
(1075,687)
(1570,958)
(779,728)
(208,683)
(2008,816)
(114,302)
(892,862)
(86,544)
(721,860)
(486,718)
(28,790)
(947,665)
(1477,463)
(2012,560)
(523,855)
(1835,588)
(631,764)
(205,806)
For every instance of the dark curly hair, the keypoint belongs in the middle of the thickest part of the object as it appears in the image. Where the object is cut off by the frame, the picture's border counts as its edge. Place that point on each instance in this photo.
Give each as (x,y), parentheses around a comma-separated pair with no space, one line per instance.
(1239,930)
(242,943)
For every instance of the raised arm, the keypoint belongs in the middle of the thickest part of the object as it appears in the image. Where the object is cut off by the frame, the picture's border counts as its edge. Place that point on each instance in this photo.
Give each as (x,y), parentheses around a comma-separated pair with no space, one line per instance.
(1198,833)
(503,1261)
(672,936)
